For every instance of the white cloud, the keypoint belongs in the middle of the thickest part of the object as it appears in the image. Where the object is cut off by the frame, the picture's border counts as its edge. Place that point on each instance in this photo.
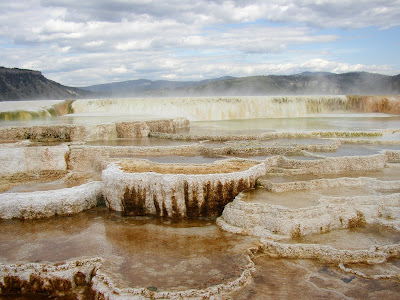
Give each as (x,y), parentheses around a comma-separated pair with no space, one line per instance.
(322,65)
(322,13)
(120,70)
(94,44)
(201,68)
(85,42)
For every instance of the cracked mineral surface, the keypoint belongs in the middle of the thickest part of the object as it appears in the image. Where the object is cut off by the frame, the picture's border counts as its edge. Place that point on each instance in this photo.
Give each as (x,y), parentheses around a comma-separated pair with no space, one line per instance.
(201,198)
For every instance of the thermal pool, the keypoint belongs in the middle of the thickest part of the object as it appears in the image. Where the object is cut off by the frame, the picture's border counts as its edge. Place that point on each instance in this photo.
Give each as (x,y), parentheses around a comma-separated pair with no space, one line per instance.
(201,198)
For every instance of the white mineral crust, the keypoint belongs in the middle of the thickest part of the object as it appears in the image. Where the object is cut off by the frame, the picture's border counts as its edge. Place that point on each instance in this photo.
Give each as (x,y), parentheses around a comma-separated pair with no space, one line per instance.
(164,190)
(41,204)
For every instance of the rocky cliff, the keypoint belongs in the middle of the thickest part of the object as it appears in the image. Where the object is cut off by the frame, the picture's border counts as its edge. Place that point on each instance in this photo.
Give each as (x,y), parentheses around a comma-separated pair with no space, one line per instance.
(18,84)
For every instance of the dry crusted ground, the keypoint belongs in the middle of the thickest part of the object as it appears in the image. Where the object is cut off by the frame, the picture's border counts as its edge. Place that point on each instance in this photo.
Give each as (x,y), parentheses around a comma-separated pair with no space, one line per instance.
(215,168)
(71,179)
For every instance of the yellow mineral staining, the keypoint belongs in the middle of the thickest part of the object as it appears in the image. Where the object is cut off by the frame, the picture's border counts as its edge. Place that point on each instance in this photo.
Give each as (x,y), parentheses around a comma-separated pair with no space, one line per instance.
(356,221)
(340,190)
(140,166)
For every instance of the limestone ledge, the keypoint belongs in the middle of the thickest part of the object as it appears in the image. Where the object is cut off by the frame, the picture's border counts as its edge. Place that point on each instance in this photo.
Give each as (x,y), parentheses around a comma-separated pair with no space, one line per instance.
(328,254)
(80,157)
(175,195)
(64,279)
(373,183)
(21,159)
(393,156)
(42,204)
(11,180)
(272,149)
(388,274)
(144,128)
(72,277)
(55,132)
(104,288)
(283,166)
(74,132)
(274,135)
(331,213)
(372,141)
(85,157)
(336,164)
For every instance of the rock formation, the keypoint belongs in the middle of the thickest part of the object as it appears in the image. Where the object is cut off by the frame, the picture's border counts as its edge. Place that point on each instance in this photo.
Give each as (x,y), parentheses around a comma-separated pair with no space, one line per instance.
(195,191)
(293,194)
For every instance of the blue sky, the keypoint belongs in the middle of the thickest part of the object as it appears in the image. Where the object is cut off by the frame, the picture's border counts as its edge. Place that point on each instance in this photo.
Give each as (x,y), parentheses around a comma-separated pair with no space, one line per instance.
(81,43)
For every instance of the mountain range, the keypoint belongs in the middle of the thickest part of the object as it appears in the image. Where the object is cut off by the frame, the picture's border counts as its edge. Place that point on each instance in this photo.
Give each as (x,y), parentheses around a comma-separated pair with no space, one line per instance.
(21,84)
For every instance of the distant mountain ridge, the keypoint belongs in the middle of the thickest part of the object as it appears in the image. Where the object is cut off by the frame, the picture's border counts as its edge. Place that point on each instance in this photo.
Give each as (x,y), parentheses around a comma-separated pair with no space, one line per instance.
(306,83)
(146,87)
(21,84)
(361,83)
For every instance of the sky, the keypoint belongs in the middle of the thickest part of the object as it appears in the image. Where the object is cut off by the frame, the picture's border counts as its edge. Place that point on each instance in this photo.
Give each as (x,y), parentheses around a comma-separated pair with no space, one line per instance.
(87,42)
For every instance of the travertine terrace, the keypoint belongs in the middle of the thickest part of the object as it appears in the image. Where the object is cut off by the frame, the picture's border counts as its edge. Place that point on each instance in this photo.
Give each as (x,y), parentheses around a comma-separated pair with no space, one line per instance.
(200,198)
(141,188)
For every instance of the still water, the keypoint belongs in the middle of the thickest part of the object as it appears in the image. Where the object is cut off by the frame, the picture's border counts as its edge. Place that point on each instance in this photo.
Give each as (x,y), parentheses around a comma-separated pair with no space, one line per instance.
(138,251)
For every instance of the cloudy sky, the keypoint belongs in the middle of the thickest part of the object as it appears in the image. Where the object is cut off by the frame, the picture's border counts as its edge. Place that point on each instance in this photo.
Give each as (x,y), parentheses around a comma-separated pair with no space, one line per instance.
(87,42)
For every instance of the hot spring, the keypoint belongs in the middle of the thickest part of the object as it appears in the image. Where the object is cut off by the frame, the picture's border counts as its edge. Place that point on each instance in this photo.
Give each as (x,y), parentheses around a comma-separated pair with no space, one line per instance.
(200,198)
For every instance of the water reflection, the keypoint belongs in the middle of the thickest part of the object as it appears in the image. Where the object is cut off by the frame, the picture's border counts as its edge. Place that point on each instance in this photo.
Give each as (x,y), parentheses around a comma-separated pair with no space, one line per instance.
(138,252)
(309,279)
(350,122)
